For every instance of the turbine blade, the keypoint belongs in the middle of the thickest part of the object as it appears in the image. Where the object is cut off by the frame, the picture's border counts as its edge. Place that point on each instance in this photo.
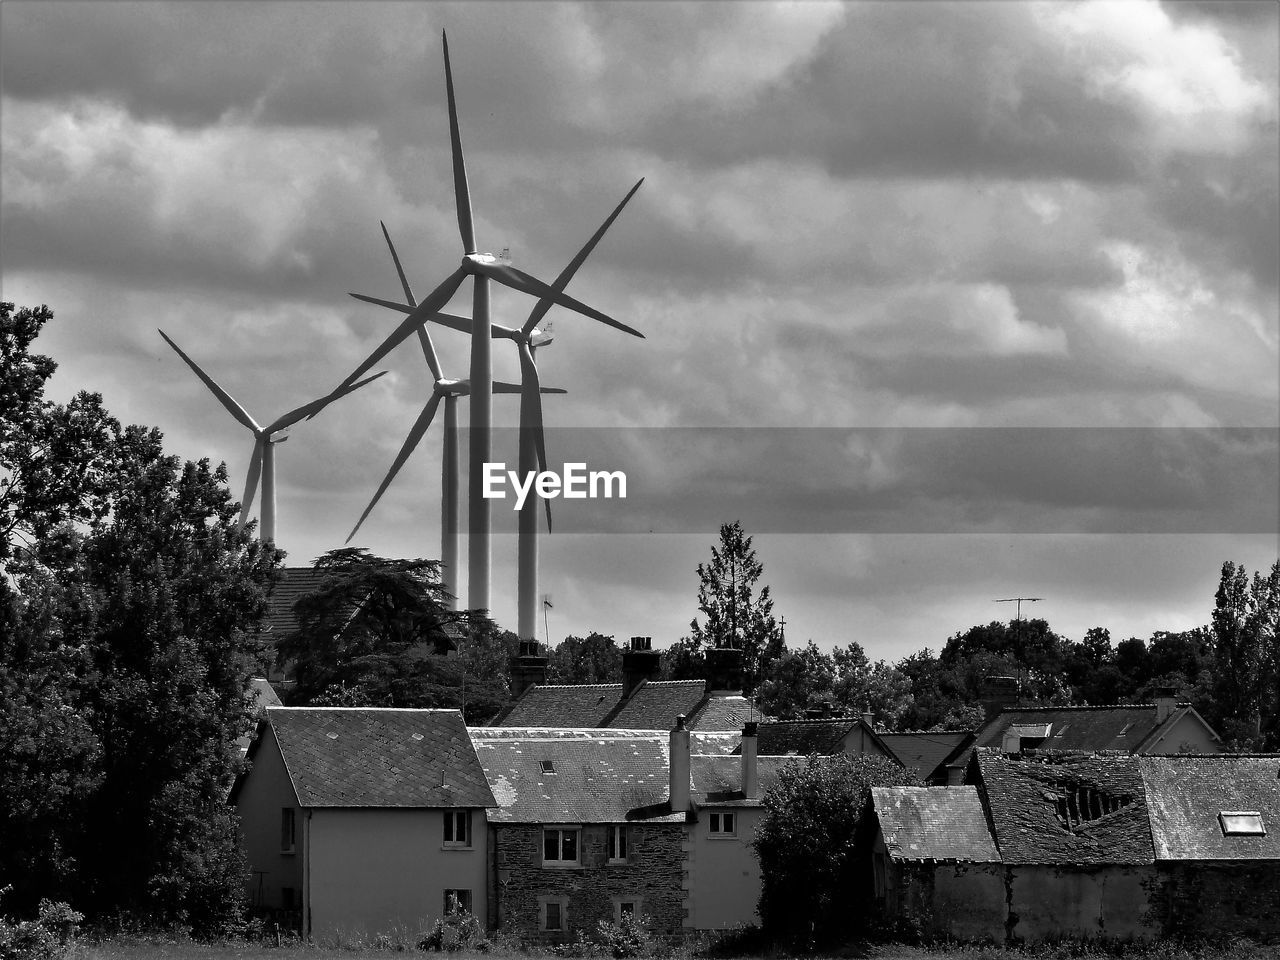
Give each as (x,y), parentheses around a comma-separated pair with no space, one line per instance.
(237,411)
(450,320)
(251,482)
(419,315)
(310,410)
(415,434)
(404,281)
(502,386)
(562,281)
(462,195)
(531,405)
(519,280)
(389,304)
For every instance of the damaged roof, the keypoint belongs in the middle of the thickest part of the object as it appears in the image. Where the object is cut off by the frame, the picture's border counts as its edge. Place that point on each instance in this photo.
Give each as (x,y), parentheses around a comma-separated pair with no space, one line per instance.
(934,823)
(378,757)
(1065,809)
(542,775)
(1186,795)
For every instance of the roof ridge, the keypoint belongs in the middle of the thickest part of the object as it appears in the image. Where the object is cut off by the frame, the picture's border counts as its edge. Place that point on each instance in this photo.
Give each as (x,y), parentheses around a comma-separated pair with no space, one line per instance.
(371,709)
(816,720)
(894,733)
(1089,706)
(574,686)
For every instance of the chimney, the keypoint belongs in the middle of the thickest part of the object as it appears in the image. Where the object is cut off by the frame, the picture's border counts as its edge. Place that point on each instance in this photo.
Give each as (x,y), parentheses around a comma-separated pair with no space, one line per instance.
(679,785)
(639,663)
(527,668)
(750,779)
(1166,703)
(724,669)
(997,693)
(868,717)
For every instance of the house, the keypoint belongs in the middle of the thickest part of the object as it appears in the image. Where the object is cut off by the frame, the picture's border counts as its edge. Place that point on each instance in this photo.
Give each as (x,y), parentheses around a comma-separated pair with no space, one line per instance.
(1047,845)
(638,703)
(1143,729)
(1215,827)
(356,820)
(581,831)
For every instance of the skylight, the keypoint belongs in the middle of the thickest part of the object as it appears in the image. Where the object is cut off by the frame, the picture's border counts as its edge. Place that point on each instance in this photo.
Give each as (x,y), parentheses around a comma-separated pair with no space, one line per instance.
(1241,823)
(547,766)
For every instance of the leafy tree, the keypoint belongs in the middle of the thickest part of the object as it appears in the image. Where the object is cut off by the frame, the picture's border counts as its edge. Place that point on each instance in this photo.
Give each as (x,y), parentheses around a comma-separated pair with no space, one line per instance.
(797,681)
(591,659)
(377,632)
(811,874)
(861,685)
(1246,663)
(844,682)
(734,614)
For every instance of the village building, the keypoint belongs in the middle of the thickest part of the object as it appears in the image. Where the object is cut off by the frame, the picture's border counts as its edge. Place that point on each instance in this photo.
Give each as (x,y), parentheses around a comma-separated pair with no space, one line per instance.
(361,820)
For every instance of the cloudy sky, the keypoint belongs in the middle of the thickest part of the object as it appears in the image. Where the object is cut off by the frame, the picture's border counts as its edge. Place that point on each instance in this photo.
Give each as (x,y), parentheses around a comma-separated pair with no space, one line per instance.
(946,302)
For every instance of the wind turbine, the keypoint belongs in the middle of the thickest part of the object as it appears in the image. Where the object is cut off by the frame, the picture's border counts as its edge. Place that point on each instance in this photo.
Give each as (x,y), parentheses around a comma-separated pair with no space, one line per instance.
(263,461)
(449,390)
(482,267)
(533,453)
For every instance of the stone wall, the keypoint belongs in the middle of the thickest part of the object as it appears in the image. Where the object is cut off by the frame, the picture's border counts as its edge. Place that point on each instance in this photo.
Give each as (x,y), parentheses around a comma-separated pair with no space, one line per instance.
(1207,898)
(652,874)
(961,900)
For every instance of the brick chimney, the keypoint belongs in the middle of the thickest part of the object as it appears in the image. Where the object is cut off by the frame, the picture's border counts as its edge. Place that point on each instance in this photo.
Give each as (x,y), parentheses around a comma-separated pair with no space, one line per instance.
(640,662)
(527,667)
(724,669)
(750,777)
(1166,703)
(678,790)
(997,693)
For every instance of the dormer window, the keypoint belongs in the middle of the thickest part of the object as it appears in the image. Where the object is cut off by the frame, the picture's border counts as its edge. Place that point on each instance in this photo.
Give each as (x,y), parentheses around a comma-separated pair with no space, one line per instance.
(1241,823)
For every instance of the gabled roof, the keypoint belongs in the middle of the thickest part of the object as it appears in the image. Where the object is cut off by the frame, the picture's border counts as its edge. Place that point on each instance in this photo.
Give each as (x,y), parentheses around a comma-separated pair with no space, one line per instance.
(653,705)
(716,781)
(1185,795)
(778,738)
(374,757)
(923,752)
(934,823)
(575,776)
(1127,727)
(293,583)
(1034,806)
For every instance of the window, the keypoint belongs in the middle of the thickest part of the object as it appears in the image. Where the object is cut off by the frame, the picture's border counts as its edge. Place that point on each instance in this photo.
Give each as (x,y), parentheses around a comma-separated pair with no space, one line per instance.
(286,830)
(553,913)
(457,901)
(457,828)
(626,906)
(722,825)
(1242,823)
(560,846)
(547,766)
(618,843)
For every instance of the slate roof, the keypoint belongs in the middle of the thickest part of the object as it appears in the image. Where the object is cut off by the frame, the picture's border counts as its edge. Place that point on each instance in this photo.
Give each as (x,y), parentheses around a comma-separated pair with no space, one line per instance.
(923,752)
(717,780)
(374,757)
(653,705)
(259,696)
(778,738)
(1021,797)
(1185,794)
(596,776)
(292,584)
(934,823)
(1126,727)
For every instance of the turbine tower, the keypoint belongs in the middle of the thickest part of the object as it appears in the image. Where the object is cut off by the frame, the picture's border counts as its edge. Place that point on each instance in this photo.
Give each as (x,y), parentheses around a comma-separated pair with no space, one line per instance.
(263,460)
(482,267)
(448,390)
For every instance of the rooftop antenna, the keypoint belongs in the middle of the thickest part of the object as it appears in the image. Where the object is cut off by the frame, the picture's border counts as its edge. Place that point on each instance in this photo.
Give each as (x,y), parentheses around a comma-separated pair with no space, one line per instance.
(546,631)
(1019,601)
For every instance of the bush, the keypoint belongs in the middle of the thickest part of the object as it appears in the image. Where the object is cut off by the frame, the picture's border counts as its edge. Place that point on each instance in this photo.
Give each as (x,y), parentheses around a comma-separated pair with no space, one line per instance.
(51,936)
(459,930)
(629,937)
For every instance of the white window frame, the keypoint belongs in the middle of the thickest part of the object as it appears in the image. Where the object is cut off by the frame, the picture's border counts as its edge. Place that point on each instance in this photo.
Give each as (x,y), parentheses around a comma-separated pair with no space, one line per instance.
(616,840)
(288,830)
(453,819)
(563,904)
(722,824)
(562,830)
(637,907)
(461,894)
(1242,823)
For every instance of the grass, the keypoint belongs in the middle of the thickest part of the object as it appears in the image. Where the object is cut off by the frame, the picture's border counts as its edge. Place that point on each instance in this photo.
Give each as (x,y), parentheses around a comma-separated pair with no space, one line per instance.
(158,948)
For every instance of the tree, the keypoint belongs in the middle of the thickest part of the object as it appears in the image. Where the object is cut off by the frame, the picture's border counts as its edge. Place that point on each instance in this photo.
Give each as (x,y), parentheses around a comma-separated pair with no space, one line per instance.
(377,632)
(128,602)
(735,616)
(591,659)
(811,875)
(796,682)
(1246,662)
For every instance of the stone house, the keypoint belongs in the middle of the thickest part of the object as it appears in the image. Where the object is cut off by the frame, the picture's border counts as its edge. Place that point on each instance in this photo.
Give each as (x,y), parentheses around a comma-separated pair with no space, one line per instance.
(355,821)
